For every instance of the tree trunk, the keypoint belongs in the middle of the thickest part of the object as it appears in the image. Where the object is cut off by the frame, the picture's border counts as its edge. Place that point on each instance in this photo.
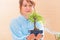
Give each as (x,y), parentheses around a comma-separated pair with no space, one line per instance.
(35,28)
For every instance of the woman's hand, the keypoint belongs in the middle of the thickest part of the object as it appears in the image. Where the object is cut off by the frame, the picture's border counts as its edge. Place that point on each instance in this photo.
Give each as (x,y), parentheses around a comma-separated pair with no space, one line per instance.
(31,37)
(39,36)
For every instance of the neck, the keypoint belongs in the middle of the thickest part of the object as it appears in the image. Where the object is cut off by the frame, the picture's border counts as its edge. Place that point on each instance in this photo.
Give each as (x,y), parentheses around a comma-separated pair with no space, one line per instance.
(25,16)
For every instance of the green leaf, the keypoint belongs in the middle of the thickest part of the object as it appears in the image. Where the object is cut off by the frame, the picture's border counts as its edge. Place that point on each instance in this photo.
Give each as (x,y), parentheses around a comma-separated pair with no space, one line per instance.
(37,16)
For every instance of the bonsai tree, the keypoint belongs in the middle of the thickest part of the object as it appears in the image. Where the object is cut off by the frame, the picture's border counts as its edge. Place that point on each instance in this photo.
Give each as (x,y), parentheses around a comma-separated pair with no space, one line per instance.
(34,17)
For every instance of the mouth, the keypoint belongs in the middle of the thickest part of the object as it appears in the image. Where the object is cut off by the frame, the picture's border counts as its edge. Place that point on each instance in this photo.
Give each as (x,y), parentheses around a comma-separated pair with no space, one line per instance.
(27,11)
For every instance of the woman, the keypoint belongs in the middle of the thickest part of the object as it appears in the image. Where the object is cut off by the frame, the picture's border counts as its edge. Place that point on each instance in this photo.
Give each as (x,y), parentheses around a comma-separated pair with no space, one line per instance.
(21,25)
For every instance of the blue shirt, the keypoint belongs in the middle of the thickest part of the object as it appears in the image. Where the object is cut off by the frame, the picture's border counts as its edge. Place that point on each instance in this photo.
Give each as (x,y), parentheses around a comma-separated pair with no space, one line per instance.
(20,28)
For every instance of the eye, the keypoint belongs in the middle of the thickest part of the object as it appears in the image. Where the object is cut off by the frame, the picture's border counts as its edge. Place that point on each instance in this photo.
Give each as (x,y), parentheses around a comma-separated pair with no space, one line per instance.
(30,5)
(25,5)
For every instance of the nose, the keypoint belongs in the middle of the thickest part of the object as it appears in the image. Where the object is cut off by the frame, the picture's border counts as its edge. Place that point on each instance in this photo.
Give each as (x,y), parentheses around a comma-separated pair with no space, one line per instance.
(28,9)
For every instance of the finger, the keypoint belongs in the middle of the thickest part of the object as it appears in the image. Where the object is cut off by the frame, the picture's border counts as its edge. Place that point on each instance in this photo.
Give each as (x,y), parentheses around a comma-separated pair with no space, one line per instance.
(39,36)
(30,37)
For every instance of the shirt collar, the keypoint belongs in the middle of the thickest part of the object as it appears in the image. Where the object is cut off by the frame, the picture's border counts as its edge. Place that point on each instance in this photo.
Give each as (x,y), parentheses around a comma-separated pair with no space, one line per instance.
(21,17)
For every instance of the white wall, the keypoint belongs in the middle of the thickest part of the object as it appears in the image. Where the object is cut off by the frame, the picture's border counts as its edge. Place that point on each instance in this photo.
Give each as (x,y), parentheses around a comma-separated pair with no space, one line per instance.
(8,9)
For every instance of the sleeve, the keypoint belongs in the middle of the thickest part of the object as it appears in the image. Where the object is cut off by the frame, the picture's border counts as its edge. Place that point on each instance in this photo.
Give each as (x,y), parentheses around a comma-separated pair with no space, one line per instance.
(17,31)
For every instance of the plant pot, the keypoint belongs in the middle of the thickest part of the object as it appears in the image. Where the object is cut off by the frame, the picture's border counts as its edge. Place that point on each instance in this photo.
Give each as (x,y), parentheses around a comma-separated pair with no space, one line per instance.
(36,32)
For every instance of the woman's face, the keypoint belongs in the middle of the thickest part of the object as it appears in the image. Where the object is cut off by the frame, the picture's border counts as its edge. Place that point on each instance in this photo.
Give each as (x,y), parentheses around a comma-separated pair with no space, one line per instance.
(26,8)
